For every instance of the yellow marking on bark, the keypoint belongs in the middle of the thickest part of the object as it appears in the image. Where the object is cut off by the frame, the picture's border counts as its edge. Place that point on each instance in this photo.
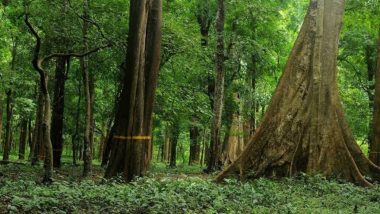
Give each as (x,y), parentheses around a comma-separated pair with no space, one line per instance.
(132,138)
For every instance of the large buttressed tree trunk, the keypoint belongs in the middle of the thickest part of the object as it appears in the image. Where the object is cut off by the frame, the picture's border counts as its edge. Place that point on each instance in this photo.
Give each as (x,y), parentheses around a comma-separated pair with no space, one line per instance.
(374,154)
(304,129)
(131,145)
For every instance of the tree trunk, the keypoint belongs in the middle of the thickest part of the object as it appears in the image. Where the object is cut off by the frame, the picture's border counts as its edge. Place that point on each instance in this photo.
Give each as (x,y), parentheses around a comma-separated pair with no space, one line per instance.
(75,136)
(131,146)
(48,160)
(370,77)
(30,137)
(374,153)
(87,156)
(213,161)
(166,147)
(174,135)
(194,145)
(304,129)
(250,121)
(107,146)
(23,138)
(1,118)
(37,143)
(58,110)
(234,144)
(8,127)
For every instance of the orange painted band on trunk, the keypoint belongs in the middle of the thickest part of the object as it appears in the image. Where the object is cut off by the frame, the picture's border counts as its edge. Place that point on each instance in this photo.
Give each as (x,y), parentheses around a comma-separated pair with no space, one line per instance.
(132,138)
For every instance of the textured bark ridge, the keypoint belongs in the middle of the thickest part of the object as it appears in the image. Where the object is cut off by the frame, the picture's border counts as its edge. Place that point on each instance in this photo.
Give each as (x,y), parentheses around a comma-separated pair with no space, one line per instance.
(304,129)
(131,145)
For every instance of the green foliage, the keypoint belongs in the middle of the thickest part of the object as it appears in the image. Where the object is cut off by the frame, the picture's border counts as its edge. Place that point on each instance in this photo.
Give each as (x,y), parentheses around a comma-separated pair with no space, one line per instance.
(160,193)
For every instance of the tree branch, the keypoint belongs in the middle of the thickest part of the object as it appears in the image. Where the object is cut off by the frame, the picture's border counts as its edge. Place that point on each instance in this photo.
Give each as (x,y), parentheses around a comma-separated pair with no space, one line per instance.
(78,55)
(35,61)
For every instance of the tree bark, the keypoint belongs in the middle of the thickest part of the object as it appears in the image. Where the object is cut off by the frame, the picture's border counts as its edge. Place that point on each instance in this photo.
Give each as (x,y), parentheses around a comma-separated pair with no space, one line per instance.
(75,136)
(174,135)
(371,70)
(234,144)
(215,144)
(194,145)
(251,104)
(166,147)
(30,137)
(87,157)
(131,146)
(304,129)
(374,153)
(37,143)
(23,138)
(1,118)
(58,110)
(8,127)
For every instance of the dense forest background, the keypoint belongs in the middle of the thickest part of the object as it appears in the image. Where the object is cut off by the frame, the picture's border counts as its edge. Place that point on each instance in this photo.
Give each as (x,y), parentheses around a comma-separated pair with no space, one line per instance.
(83,58)
(259,36)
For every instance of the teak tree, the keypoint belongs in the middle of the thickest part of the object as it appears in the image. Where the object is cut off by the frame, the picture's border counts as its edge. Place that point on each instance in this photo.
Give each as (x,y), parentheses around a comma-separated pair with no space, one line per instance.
(131,144)
(304,129)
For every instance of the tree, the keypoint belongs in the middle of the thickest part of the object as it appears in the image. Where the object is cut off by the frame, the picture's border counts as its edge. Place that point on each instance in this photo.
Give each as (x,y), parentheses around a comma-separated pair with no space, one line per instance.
(8,127)
(131,146)
(215,143)
(304,129)
(38,62)
(89,97)
(1,117)
(9,108)
(23,138)
(374,153)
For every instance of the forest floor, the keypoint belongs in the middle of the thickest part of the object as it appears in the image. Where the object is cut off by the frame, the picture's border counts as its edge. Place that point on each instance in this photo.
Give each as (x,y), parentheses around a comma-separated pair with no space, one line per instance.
(181,190)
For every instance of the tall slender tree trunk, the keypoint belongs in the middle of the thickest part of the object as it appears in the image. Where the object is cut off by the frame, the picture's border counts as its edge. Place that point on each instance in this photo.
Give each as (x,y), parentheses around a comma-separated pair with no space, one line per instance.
(371,70)
(8,127)
(234,137)
(87,157)
(1,118)
(58,110)
(37,143)
(251,104)
(75,136)
(374,153)
(23,138)
(48,160)
(30,137)
(215,144)
(174,135)
(194,145)
(304,129)
(131,147)
(166,147)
